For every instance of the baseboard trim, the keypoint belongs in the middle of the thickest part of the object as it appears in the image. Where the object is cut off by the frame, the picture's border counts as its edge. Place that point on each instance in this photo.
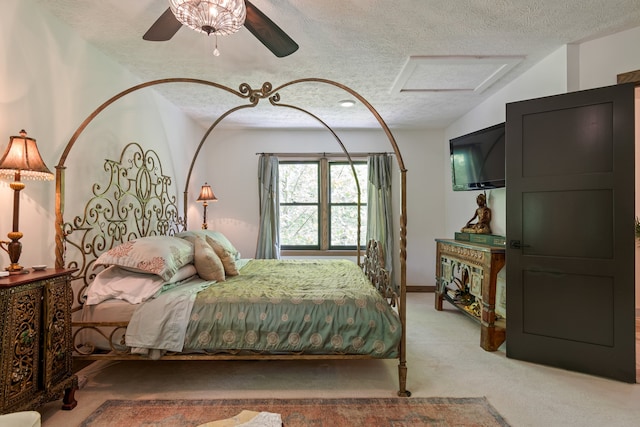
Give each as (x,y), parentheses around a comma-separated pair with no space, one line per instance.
(420,288)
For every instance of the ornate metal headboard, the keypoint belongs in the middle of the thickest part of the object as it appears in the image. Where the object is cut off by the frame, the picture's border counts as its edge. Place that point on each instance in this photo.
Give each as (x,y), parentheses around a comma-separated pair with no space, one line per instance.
(135,199)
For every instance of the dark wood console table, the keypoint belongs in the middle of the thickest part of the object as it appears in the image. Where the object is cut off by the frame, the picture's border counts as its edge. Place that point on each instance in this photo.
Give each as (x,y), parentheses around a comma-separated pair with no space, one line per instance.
(466,276)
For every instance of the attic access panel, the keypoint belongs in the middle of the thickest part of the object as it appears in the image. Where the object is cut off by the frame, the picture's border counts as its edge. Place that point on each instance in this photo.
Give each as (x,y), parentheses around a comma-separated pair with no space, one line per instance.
(452,73)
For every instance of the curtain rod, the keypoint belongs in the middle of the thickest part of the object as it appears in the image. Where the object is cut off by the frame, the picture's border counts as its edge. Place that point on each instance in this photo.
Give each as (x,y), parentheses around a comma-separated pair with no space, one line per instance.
(323,154)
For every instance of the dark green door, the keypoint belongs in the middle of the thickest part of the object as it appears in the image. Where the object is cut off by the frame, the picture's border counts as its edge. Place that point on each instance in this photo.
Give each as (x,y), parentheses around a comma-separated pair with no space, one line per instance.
(570,231)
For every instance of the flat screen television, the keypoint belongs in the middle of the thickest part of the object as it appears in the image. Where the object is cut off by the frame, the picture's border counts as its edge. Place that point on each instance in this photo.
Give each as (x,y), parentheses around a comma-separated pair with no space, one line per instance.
(478,159)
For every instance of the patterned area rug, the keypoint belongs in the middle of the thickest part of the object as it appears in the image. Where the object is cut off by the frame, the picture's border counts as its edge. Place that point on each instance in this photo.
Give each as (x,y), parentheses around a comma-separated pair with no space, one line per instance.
(396,412)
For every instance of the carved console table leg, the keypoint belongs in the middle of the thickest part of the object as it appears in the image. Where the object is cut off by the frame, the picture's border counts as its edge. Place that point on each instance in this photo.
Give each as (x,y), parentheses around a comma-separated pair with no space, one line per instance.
(438,298)
(491,338)
(69,401)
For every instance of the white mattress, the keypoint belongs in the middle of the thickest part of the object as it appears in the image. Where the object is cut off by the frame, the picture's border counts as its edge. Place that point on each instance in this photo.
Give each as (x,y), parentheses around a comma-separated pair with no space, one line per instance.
(112,310)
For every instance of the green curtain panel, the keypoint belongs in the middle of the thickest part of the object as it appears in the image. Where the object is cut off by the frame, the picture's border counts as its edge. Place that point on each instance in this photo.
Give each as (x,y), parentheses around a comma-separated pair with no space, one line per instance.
(268,234)
(379,207)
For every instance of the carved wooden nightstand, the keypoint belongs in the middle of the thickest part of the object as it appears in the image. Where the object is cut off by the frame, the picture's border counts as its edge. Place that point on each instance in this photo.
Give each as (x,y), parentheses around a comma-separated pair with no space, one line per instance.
(36,346)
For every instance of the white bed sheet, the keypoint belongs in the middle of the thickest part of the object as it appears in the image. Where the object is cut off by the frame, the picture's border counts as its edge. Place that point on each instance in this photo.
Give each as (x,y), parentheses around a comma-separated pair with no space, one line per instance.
(161,323)
(158,324)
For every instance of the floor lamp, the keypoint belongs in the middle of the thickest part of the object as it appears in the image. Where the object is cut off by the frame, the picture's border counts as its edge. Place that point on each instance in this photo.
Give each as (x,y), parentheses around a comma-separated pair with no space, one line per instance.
(206,195)
(21,160)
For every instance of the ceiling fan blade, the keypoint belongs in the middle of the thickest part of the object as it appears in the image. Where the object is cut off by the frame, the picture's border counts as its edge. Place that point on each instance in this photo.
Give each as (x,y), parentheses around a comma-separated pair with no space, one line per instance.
(265,30)
(164,28)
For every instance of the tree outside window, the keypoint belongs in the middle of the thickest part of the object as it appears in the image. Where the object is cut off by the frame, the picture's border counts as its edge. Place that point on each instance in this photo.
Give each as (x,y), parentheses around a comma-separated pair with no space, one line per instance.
(319,204)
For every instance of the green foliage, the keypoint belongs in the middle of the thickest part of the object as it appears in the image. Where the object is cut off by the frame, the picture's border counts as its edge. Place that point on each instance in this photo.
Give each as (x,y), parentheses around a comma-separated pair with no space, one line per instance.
(299,182)
(300,203)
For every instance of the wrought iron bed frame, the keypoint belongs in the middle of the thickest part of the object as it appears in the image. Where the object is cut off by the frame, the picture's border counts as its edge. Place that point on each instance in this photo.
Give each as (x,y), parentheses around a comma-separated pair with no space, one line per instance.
(137,201)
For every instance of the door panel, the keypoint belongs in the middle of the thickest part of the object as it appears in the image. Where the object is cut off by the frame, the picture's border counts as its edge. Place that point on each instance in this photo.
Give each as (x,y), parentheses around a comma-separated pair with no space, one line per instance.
(570,204)
(582,133)
(589,233)
(554,321)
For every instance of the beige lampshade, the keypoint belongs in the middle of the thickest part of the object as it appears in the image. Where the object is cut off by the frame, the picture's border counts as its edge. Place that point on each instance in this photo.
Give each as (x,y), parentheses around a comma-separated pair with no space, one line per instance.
(206,194)
(22,156)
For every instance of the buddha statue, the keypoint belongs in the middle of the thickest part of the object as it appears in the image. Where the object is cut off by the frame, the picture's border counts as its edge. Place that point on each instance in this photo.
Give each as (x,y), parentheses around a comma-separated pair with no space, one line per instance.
(482,217)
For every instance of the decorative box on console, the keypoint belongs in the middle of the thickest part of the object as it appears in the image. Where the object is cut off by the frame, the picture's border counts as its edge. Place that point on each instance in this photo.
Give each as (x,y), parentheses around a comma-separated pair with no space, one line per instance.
(484,239)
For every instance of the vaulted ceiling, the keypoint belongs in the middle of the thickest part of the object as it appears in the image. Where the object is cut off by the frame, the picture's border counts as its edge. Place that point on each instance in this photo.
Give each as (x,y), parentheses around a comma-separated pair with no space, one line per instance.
(420,63)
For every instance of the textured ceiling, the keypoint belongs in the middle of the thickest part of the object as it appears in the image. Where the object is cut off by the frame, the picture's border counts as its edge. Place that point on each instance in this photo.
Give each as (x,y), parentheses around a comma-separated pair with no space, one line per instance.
(420,63)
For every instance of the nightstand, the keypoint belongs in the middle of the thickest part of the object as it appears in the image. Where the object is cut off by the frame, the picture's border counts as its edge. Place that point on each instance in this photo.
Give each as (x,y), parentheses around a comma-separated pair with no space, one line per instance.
(36,345)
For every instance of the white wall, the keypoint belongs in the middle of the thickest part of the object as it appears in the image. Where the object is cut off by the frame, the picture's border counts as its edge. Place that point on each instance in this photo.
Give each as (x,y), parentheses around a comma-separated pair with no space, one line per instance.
(601,60)
(592,64)
(229,156)
(548,77)
(595,63)
(56,80)
(51,82)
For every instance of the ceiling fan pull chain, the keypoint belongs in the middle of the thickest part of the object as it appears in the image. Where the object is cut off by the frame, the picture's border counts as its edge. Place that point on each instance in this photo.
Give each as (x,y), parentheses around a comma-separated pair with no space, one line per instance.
(216,52)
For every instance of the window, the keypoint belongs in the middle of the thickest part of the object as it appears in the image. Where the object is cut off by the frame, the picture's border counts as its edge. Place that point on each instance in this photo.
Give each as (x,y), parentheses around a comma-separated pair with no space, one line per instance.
(319,204)
(299,191)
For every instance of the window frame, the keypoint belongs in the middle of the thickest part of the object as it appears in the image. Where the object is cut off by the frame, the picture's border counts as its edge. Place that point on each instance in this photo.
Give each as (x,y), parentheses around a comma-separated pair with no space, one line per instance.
(330,204)
(318,204)
(324,212)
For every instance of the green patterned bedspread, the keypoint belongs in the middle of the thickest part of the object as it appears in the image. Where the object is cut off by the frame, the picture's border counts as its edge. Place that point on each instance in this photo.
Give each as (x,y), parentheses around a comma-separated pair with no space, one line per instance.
(306,306)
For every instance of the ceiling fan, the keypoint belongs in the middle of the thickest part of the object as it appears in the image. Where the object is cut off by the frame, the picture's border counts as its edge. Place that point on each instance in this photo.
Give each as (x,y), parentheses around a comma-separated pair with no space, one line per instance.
(263,28)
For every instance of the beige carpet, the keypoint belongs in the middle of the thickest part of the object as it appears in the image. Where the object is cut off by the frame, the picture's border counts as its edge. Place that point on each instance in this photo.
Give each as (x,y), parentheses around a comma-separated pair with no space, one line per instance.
(444,359)
(458,412)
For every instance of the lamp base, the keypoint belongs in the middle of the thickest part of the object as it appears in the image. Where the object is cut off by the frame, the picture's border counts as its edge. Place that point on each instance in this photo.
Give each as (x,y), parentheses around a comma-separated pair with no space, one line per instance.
(16,269)
(14,250)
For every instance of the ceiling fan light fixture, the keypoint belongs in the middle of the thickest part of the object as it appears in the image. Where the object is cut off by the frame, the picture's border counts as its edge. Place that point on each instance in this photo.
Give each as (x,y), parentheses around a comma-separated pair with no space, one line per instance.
(219,17)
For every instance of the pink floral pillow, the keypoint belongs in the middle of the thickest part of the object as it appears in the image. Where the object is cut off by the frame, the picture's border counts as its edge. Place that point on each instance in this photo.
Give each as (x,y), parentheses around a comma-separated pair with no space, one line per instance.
(160,255)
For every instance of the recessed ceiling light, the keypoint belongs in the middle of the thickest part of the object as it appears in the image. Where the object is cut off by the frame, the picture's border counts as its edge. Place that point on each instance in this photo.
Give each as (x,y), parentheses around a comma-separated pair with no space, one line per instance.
(347,103)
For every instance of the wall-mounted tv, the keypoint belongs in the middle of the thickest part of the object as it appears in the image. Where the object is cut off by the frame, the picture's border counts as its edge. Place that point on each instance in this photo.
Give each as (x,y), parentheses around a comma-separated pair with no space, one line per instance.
(478,159)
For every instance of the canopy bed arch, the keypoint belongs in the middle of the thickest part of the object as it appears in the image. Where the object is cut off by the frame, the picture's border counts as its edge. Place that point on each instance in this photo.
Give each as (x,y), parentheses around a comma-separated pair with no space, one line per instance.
(137,202)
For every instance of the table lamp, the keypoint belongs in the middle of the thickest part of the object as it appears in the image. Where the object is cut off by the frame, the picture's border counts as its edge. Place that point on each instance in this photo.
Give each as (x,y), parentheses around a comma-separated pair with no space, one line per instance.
(21,160)
(206,195)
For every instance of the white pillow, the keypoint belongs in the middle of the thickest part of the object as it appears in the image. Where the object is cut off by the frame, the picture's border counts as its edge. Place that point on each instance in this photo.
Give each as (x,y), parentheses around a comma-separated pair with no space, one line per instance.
(215,235)
(228,261)
(161,255)
(208,264)
(118,283)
